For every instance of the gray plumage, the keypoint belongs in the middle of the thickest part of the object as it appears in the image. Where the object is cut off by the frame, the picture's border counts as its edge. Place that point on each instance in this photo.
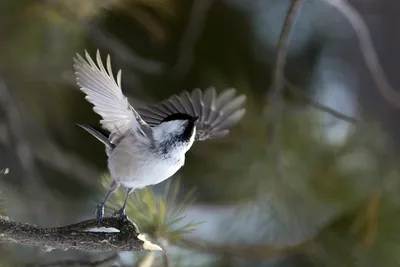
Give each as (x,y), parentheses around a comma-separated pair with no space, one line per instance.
(148,145)
(217,113)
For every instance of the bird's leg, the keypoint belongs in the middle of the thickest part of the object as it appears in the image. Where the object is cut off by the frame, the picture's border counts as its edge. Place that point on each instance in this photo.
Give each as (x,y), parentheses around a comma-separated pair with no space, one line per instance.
(121,211)
(100,206)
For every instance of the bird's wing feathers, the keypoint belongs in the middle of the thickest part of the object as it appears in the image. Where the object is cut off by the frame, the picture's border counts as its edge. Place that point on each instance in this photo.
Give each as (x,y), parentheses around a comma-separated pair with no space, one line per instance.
(104,92)
(217,113)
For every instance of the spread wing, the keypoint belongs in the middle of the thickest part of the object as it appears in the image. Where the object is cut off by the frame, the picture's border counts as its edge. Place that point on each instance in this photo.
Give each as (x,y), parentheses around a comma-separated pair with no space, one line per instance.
(104,92)
(217,113)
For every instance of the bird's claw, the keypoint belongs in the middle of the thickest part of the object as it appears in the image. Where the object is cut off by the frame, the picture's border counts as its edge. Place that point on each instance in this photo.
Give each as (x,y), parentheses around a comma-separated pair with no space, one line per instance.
(120,214)
(99,213)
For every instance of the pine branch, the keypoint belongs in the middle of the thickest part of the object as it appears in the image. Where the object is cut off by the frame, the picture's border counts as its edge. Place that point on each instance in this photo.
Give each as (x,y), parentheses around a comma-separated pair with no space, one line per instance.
(78,236)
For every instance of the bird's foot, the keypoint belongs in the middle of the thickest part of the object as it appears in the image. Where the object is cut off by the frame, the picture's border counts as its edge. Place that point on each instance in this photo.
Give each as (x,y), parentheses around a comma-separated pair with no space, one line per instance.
(99,213)
(120,213)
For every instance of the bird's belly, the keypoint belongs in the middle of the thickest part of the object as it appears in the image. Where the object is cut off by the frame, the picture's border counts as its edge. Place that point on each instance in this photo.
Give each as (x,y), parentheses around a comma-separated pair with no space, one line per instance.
(156,173)
(137,171)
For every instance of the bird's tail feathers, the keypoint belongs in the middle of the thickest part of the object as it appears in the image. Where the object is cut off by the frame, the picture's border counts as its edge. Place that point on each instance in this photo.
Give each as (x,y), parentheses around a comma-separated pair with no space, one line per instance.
(100,135)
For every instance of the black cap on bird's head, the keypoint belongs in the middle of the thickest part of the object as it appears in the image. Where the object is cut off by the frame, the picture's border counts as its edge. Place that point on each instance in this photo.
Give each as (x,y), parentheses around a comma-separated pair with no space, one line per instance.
(181,116)
(186,130)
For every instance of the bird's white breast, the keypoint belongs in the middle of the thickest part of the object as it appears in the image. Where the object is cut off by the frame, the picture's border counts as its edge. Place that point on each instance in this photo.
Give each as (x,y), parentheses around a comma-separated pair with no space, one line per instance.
(133,165)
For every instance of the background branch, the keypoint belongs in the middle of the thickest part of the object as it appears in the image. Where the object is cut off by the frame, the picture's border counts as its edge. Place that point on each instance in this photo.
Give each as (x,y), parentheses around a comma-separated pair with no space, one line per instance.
(275,99)
(299,93)
(77,236)
(190,37)
(367,50)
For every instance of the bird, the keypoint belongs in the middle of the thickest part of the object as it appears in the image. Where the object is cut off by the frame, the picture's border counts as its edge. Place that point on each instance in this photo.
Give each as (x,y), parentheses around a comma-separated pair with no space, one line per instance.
(147,145)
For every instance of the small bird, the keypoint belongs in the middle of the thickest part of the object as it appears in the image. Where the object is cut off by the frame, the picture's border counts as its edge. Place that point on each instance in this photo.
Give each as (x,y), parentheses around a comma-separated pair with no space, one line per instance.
(146,146)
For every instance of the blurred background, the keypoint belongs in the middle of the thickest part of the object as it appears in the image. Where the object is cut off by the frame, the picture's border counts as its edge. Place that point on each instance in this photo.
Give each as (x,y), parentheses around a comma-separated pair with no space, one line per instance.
(337,200)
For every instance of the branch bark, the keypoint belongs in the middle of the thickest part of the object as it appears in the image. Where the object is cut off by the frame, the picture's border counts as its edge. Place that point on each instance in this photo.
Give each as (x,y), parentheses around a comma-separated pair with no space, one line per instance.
(79,236)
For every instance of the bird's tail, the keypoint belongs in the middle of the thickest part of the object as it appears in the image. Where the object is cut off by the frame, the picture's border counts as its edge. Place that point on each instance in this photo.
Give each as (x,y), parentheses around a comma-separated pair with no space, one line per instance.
(101,135)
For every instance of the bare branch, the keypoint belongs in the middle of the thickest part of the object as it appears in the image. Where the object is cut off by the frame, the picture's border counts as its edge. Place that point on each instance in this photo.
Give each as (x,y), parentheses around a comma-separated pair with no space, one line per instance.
(190,37)
(275,99)
(319,106)
(78,236)
(367,50)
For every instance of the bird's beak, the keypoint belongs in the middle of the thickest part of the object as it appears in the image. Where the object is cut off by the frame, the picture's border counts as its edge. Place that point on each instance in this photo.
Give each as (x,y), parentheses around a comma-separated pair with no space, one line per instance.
(195,118)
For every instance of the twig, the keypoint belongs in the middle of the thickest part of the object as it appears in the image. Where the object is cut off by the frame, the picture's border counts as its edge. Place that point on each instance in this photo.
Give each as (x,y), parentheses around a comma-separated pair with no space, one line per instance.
(367,50)
(78,236)
(275,100)
(190,37)
(65,263)
(319,106)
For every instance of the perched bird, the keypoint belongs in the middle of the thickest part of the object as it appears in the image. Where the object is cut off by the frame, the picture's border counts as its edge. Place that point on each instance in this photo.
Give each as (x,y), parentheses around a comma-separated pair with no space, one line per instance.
(147,146)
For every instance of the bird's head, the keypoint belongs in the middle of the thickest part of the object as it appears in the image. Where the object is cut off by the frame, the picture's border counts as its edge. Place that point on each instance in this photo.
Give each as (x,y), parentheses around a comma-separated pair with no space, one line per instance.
(176,131)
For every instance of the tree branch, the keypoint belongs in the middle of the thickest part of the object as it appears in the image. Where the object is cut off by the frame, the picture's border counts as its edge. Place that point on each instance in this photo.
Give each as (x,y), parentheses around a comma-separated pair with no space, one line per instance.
(299,93)
(275,100)
(368,51)
(190,37)
(79,236)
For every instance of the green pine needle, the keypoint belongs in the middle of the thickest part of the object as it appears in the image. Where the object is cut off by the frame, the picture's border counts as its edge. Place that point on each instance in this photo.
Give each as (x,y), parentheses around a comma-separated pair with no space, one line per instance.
(158,216)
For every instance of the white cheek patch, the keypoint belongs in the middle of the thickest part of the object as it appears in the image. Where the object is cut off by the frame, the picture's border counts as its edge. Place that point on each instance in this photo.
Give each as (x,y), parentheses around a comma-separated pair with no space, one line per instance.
(194,134)
(166,129)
